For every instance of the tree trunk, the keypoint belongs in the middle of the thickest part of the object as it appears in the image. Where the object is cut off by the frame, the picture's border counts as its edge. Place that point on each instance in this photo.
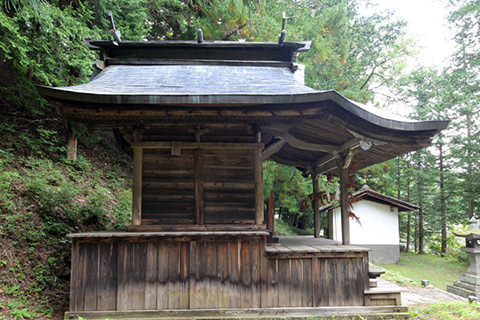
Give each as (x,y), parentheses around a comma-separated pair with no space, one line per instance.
(442,200)
(407,249)
(420,211)
(415,234)
(398,195)
(469,168)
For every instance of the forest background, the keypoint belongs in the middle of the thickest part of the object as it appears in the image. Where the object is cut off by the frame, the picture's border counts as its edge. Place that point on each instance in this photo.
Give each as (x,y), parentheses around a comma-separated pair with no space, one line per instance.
(44,196)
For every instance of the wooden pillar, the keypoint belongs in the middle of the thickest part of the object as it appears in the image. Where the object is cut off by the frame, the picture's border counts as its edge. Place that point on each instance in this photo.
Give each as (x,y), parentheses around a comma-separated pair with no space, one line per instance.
(344,209)
(72,145)
(137,185)
(330,224)
(269,216)
(316,208)
(199,219)
(259,204)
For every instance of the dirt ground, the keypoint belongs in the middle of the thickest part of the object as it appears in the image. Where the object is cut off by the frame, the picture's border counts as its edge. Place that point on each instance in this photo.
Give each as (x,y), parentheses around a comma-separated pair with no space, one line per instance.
(412,295)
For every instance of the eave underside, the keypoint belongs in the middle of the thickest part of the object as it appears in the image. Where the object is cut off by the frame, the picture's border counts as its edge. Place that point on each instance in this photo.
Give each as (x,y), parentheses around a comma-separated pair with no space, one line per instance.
(309,136)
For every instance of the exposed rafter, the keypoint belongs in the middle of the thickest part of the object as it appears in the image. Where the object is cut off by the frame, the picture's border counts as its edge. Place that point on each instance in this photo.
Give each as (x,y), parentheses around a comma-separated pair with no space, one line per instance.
(298,143)
(273,148)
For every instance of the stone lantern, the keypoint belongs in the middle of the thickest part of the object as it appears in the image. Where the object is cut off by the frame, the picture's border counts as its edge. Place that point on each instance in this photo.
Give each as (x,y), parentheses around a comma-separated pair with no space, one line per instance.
(469,284)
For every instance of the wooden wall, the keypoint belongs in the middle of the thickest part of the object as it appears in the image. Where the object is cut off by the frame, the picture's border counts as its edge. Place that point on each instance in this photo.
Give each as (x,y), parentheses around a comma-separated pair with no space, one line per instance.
(315,280)
(136,274)
(221,180)
(168,187)
(208,272)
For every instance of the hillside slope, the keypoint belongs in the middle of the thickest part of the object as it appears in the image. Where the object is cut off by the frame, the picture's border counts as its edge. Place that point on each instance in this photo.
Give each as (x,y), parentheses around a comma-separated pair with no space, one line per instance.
(43,197)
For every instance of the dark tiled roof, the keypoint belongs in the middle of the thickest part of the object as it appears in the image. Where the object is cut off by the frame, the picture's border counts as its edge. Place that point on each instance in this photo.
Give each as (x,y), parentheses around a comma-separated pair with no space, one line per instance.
(365,193)
(191,80)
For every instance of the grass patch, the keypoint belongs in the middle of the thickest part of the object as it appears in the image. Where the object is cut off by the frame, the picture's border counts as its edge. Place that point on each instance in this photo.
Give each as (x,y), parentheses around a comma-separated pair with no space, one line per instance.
(284,229)
(446,311)
(439,270)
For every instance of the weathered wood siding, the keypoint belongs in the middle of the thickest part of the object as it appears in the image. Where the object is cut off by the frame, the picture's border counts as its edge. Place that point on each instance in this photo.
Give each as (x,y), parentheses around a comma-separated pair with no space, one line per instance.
(228,186)
(208,272)
(168,187)
(215,185)
(141,274)
(315,280)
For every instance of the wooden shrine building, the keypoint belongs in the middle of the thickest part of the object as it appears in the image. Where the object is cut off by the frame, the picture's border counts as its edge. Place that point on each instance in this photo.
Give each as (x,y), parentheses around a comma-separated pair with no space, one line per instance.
(201,117)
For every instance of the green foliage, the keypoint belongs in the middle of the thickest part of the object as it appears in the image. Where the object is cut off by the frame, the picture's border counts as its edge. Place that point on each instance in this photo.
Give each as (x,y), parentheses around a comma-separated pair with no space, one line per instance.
(439,270)
(447,311)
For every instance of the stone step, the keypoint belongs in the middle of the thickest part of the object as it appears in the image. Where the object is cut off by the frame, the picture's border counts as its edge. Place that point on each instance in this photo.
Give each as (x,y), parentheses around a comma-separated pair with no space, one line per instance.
(467,286)
(460,291)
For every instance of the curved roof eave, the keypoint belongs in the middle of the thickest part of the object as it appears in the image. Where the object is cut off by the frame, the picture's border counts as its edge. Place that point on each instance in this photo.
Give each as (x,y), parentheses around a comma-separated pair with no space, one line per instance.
(369,114)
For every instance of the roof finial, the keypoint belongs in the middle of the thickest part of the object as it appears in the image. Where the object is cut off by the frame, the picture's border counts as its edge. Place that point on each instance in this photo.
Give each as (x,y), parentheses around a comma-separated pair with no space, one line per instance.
(283,34)
(199,35)
(116,33)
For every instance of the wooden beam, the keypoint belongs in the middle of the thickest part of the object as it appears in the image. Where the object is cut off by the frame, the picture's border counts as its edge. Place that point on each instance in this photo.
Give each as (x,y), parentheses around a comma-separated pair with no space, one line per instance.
(316,208)
(196,145)
(298,143)
(137,185)
(259,205)
(273,148)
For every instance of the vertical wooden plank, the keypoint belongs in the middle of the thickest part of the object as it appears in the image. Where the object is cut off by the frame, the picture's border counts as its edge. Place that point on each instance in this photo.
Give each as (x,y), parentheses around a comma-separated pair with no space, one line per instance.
(91,277)
(192,271)
(315,281)
(270,294)
(107,280)
(76,271)
(210,274)
(258,171)
(234,273)
(223,286)
(178,297)
(326,280)
(199,216)
(307,298)
(283,283)
(184,274)
(245,275)
(151,275)
(162,275)
(339,299)
(296,275)
(255,272)
(122,276)
(137,185)
(136,270)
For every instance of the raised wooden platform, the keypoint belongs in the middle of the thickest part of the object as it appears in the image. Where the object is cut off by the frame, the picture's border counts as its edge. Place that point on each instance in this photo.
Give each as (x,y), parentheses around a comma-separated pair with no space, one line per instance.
(157,275)
(344,313)
(308,244)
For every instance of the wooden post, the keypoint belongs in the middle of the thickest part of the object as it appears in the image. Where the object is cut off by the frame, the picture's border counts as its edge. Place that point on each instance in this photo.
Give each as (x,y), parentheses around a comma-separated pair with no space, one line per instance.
(72,145)
(137,185)
(270,212)
(198,188)
(259,205)
(316,208)
(343,173)
(330,224)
